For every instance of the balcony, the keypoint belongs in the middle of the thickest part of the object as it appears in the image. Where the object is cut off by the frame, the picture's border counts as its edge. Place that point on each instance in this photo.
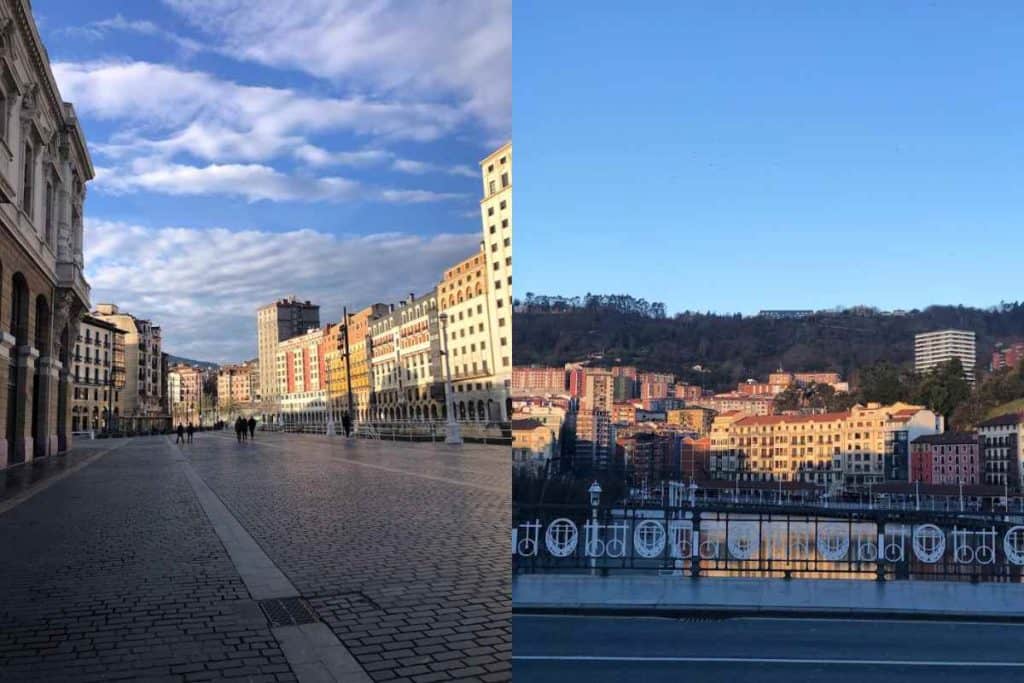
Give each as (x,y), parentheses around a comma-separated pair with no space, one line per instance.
(70,276)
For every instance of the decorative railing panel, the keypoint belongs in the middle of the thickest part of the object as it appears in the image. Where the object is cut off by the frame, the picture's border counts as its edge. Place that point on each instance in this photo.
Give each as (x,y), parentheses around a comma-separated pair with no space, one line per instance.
(709,543)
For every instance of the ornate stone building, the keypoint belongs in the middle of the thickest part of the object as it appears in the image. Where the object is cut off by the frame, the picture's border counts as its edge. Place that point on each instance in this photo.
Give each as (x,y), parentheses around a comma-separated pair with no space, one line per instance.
(44,166)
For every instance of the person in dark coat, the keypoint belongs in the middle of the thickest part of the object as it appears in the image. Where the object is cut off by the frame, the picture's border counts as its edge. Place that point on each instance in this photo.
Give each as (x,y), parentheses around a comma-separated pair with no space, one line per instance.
(191,430)
(181,434)
(346,424)
(252,427)
(239,429)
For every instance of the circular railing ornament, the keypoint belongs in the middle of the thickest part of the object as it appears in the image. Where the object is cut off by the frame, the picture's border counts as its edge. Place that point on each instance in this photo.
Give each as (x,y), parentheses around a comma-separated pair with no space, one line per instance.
(1013,545)
(743,540)
(929,543)
(649,538)
(833,541)
(561,537)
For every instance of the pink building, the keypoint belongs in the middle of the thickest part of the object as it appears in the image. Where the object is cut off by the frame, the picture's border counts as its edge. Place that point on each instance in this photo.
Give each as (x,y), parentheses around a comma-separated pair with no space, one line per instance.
(949,458)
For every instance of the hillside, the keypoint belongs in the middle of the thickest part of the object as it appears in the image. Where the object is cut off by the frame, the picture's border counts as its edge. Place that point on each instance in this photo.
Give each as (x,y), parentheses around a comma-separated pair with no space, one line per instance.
(733,347)
(180,360)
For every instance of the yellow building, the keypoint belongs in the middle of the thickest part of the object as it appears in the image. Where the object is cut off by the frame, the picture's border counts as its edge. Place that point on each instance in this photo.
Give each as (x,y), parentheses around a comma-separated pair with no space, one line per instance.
(694,419)
(842,449)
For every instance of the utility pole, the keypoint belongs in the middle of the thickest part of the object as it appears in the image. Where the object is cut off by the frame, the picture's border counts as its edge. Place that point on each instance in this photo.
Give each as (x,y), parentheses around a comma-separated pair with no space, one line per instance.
(348,366)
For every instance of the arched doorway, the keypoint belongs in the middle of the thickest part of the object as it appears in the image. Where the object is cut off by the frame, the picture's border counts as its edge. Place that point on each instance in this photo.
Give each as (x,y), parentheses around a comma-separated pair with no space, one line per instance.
(18,328)
(40,412)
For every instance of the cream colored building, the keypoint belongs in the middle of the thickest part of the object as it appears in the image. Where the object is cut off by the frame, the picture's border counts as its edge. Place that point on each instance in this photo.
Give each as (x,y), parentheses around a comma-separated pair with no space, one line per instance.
(98,371)
(843,449)
(479,387)
(406,361)
(496,214)
(237,388)
(142,404)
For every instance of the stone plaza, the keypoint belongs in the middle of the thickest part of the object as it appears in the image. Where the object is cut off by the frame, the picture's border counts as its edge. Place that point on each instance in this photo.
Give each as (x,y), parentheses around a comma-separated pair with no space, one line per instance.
(285,558)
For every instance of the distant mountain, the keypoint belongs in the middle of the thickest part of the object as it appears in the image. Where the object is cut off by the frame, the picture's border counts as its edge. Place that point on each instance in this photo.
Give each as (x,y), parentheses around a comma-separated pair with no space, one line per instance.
(179,360)
(732,348)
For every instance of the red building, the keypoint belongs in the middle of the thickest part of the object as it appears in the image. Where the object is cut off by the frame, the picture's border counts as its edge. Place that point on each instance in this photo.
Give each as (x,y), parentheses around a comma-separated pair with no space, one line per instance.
(1008,356)
(538,380)
(949,458)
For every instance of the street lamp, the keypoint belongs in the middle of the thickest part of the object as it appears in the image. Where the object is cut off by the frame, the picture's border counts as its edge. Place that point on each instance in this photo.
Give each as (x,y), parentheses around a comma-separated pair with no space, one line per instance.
(595,502)
(452,431)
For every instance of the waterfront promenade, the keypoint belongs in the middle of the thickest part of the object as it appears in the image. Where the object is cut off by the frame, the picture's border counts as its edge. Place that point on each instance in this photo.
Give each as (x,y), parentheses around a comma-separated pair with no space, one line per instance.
(289,557)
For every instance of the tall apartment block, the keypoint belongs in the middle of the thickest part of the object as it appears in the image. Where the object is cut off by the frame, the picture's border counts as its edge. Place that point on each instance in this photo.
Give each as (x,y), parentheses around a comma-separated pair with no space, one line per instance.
(934,348)
(496,214)
(275,323)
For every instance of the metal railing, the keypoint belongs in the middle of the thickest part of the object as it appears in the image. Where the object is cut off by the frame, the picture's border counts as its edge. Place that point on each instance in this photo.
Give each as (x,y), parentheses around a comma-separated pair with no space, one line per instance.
(722,540)
(409,430)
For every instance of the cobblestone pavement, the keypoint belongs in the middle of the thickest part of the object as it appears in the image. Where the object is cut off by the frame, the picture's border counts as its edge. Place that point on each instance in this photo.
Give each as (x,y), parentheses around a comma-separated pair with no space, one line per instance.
(401,548)
(115,573)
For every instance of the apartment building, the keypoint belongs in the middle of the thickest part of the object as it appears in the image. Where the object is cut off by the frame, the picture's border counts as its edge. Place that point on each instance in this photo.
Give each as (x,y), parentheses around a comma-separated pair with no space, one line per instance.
(845,449)
(142,405)
(97,368)
(277,322)
(1001,440)
(934,348)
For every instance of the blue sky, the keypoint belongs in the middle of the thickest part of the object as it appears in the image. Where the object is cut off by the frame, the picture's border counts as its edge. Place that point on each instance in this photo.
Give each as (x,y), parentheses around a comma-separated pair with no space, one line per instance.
(251,149)
(734,156)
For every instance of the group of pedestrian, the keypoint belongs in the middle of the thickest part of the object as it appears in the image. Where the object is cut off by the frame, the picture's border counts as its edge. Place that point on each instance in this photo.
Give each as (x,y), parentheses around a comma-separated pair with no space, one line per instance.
(182,431)
(245,429)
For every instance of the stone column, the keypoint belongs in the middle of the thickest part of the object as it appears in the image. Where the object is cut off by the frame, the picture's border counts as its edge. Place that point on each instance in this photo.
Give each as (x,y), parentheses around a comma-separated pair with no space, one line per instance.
(7,343)
(26,369)
(48,375)
(63,426)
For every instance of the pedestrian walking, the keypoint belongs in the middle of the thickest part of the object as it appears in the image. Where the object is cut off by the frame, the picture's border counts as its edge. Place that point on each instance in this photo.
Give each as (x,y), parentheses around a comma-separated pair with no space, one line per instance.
(252,427)
(239,429)
(346,424)
(181,434)
(191,430)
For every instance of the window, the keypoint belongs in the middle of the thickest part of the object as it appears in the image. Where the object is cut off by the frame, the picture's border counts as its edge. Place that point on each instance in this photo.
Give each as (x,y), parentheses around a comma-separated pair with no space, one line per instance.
(504,179)
(26,181)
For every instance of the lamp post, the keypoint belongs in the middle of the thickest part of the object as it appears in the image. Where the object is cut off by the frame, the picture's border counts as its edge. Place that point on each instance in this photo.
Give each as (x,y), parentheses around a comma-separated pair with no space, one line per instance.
(961,483)
(595,503)
(452,431)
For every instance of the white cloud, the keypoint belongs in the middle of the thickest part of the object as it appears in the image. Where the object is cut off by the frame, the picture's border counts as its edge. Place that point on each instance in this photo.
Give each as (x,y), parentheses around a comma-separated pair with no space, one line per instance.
(204,285)
(422,167)
(253,182)
(214,118)
(460,48)
(99,29)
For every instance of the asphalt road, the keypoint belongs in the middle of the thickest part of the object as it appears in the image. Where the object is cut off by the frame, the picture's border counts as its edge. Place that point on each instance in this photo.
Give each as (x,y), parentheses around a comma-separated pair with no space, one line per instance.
(564,648)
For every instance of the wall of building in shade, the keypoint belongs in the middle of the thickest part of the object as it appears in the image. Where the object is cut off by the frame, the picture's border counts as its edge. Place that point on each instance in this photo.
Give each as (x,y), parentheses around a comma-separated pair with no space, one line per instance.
(43,292)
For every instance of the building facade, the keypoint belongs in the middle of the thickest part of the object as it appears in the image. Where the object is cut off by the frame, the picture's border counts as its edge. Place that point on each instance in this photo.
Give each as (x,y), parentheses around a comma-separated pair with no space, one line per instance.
(496,216)
(933,348)
(98,370)
(275,323)
(142,402)
(238,388)
(1002,450)
(481,389)
(951,458)
(840,450)
(538,381)
(406,361)
(1007,356)
(301,393)
(43,292)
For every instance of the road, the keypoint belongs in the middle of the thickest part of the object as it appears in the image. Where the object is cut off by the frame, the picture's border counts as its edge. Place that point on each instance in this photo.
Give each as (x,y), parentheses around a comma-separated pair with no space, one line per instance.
(118,567)
(564,648)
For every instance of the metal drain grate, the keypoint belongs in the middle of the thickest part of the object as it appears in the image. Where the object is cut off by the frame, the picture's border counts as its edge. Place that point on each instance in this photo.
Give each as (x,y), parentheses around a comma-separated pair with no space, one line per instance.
(288,611)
